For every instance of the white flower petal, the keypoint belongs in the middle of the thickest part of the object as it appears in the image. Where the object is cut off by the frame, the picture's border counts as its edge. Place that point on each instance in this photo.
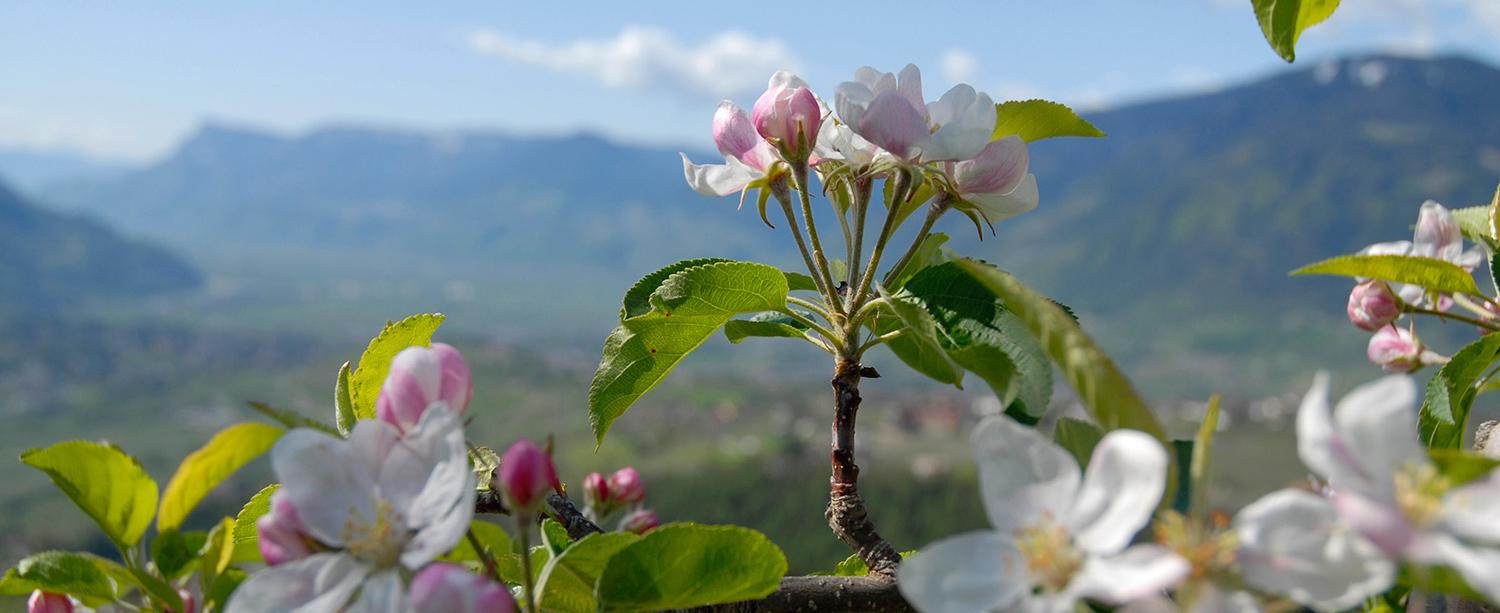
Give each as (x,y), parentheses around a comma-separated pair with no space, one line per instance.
(1479,566)
(324,480)
(1293,543)
(851,98)
(717,179)
(997,206)
(428,469)
(975,571)
(383,592)
(909,84)
(1315,430)
(1121,488)
(1375,430)
(315,584)
(1138,572)
(1390,248)
(1472,511)
(1023,476)
(967,125)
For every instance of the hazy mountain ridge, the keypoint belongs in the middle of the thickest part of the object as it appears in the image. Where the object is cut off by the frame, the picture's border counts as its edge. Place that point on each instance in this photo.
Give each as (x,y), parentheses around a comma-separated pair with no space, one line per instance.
(51,261)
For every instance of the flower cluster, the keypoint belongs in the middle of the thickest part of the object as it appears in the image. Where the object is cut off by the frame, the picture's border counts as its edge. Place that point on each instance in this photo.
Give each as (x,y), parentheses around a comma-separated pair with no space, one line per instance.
(884,127)
(1060,538)
(355,517)
(622,491)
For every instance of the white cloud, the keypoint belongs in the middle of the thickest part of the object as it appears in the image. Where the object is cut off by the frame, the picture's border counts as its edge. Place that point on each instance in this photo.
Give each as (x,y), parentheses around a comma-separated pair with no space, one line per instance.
(959,66)
(726,64)
(1197,79)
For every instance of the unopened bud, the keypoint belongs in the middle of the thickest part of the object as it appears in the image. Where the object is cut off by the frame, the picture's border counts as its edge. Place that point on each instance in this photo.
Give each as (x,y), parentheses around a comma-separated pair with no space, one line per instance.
(595,490)
(419,377)
(49,602)
(640,521)
(788,114)
(282,537)
(526,475)
(626,487)
(453,589)
(1372,305)
(1395,350)
(189,603)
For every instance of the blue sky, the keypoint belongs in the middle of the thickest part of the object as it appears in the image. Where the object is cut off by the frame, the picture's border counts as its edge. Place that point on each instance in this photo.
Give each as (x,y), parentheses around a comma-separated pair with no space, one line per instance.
(130,80)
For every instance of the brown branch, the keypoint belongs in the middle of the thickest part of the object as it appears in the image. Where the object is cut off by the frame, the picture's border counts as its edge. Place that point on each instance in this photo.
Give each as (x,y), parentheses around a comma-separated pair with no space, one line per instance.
(822,594)
(846,509)
(558,506)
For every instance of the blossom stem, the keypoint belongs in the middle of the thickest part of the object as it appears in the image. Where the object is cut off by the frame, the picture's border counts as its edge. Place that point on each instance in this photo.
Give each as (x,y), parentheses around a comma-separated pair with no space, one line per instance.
(1472,306)
(860,205)
(846,512)
(902,183)
(811,306)
(934,211)
(800,174)
(524,521)
(785,199)
(888,336)
(828,334)
(484,556)
(1454,316)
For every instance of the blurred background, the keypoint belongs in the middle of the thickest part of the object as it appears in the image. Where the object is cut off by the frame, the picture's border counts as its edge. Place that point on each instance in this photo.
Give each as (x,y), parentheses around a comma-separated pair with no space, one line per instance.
(204,204)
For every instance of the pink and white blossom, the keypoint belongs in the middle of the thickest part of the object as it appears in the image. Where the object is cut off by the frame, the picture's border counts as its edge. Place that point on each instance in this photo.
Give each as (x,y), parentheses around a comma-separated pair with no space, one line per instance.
(421,377)
(1373,305)
(995,182)
(1059,536)
(381,502)
(450,588)
(889,111)
(282,538)
(788,113)
(526,475)
(1397,350)
(1437,236)
(49,602)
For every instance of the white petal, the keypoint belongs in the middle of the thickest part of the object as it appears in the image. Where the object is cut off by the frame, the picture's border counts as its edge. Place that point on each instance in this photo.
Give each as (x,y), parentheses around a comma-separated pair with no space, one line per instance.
(851,98)
(1391,248)
(1121,488)
(318,583)
(1479,566)
(423,366)
(1376,430)
(1472,511)
(383,592)
(909,84)
(1138,572)
(975,571)
(1022,475)
(967,131)
(324,480)
(717,179)
(427,469)
(997,207)
(1293,543)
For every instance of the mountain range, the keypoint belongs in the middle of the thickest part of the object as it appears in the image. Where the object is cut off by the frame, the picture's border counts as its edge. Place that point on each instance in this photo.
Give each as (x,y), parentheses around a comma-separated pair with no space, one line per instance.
(1173,236)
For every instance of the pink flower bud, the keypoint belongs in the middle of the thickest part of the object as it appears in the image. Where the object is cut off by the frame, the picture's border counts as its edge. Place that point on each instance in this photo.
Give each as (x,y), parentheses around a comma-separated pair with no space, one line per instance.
(640,521)
(49,602)
(788,113)
(189,603)
(1395,350)
(526,475)
(1372,305)
(626,487)
(451,588)
(282,537)
(596,490)
(735,136)
(419,377)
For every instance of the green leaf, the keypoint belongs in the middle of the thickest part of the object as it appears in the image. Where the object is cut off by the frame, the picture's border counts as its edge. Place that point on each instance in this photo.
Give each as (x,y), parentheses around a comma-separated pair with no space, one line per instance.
(1450,393)
(175,552)
(985,338)
(686,309)
(568,580)
(218,553)
(769,324)
(555,536)
(110,486)
(202,470)
(246,539)
(491,536)
(1437,580)
(1078,437)
(1431,273)
(483,461)
(159,591)
(798,282)
(1203,445)
(343,404)
(223,587)
(1180,480)
(1474,223)
(292,419)
(678,566)
(1109,396)
(852,566)
(94,580)
(1282,21)
(637,300)
(1034,120)
(929,253)
(375,363)
(921,344)
(1460,466)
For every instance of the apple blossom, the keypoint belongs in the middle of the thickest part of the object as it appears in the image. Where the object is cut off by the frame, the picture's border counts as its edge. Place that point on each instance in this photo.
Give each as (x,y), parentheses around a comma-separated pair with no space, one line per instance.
(1437,236)
(788,115)
(526,475)
(49,602)
(1397,350)
(420,377)
(282,538)
(1386,488)
(189,601)
(1058,537)
(1372,305)
(626,486)
(889,111)
(381,503)
(640,521)
(1292,542)
(995,182)
(450,588)
(596,490)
